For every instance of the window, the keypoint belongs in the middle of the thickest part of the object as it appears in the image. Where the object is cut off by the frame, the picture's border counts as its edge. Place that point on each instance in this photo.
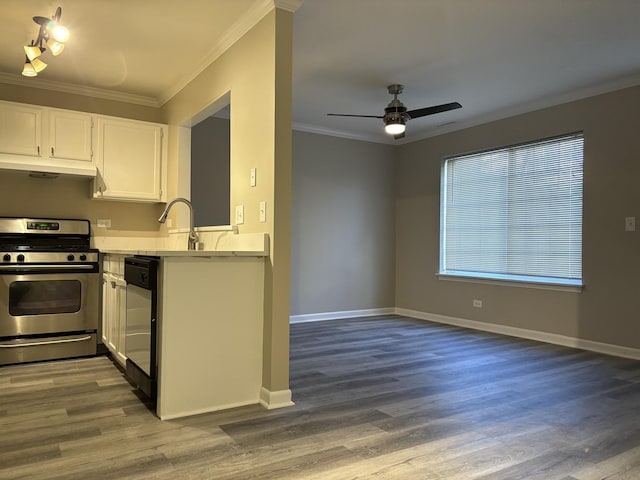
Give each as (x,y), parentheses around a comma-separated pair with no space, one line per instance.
(514,213)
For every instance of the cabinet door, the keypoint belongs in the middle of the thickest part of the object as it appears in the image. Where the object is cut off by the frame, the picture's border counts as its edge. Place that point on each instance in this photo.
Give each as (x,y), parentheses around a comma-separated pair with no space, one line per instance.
(106,314)
(131,160)
(112,312)
(121,320)
(70,135)
(20,129)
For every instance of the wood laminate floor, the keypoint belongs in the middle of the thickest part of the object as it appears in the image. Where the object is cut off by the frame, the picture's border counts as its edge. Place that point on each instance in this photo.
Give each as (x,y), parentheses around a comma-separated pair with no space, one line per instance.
(376,398)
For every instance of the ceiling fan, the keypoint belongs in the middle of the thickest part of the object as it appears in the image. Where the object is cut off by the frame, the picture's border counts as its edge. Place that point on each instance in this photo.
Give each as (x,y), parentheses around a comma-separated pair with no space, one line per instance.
(396,114)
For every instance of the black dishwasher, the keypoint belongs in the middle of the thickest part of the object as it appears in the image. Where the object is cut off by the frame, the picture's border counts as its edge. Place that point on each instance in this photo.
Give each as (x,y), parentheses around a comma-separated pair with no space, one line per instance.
(141,276)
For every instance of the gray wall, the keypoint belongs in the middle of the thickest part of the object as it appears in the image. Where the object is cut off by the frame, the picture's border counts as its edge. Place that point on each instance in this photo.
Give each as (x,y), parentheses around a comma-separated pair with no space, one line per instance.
(606,310)
(342,242)
(210,191)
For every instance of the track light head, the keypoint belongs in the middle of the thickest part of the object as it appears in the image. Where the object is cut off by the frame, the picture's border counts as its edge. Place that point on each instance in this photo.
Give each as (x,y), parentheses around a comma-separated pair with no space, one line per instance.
(55,47)
(28,70)
(33,51)
(38,65)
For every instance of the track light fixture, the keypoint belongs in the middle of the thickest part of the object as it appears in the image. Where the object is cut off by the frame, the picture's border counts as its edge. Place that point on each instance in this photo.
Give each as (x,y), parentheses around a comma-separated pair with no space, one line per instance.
(51,35)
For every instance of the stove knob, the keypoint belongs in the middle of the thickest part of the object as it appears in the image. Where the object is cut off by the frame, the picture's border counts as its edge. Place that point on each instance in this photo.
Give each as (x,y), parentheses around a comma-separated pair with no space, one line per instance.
(6,257)
(71,257)
(83,257)
(20,258)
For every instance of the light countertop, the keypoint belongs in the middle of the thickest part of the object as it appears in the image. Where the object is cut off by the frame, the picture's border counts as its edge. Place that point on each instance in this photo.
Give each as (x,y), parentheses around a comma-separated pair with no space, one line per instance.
(188,253)
(212,244)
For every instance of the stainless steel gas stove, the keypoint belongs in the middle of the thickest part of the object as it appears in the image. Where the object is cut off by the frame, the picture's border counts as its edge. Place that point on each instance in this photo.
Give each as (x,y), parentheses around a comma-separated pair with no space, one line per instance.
(49,290)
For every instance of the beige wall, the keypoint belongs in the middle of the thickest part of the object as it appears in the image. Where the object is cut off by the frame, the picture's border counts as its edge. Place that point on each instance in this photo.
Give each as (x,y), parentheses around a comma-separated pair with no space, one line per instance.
(342,249)
(606,310)
(82,103)
(21,195)
(256,70)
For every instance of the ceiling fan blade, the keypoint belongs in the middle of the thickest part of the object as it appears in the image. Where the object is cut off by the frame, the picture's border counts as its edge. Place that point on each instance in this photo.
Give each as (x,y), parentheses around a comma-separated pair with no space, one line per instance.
(423,112)
(398,136)
(346,115)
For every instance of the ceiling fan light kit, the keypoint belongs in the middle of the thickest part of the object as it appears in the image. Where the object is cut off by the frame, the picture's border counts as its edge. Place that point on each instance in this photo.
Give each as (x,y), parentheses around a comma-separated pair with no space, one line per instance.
(52,34)
(396,114)
(395,125)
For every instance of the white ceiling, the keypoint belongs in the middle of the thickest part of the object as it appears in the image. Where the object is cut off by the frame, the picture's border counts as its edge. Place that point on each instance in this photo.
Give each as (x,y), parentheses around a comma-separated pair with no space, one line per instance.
(496,57)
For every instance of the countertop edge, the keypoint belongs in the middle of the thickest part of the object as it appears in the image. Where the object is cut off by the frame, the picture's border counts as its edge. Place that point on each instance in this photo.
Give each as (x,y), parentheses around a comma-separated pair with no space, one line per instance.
(188,253)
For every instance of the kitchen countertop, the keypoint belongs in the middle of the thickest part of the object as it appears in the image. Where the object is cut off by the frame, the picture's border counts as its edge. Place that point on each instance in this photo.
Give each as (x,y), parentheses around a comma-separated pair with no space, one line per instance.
(212,244)
(189,253)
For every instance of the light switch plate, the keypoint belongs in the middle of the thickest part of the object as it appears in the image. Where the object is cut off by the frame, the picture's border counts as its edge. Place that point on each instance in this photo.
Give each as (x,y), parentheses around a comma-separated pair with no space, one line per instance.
(263,211)
(239,214)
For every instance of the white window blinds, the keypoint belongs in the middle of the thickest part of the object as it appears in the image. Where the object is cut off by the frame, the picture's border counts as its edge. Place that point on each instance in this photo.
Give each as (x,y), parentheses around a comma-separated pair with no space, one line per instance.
(515,213)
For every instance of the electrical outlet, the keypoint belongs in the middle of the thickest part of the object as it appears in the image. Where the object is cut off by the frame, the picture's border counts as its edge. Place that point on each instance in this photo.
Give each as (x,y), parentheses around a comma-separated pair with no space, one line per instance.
(239,214)
(630,224)
(477,303)
(103,223)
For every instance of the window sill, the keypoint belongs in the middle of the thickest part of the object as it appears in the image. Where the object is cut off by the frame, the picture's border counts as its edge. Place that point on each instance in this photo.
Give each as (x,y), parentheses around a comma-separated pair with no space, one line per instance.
(560,287)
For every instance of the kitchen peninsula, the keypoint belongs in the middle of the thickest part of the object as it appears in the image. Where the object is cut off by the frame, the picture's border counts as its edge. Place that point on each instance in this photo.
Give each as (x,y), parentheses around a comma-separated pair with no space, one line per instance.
(210,320)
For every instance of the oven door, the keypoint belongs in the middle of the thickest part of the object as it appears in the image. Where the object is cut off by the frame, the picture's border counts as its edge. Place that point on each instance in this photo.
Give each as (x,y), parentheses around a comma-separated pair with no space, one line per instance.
(39,302)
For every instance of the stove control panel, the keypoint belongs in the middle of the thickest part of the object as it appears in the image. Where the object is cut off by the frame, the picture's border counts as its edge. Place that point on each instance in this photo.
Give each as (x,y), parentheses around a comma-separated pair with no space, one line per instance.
(48,257)
(43,225)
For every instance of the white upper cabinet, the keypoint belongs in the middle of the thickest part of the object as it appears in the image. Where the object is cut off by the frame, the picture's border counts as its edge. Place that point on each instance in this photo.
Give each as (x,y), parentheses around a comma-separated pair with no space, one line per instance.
(46,140)
(127,159)
(20,129)
(69,135)
(131,157)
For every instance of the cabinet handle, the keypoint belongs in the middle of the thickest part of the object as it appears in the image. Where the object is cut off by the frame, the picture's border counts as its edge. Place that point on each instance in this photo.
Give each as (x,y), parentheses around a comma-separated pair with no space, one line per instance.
(52,154)
(38,150)
(45,342)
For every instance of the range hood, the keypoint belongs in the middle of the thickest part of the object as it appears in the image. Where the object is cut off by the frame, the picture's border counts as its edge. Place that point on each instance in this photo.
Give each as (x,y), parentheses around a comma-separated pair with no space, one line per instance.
(45,167)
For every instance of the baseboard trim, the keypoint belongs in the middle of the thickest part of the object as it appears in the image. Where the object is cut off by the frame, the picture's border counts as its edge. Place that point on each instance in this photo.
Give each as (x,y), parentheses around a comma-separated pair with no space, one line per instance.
(317,317)
(599,347)
(200,411)
(278,399)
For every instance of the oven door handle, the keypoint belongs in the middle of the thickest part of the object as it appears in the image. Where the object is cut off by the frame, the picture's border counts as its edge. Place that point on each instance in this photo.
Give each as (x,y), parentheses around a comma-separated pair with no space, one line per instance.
(13,268)
(46,342)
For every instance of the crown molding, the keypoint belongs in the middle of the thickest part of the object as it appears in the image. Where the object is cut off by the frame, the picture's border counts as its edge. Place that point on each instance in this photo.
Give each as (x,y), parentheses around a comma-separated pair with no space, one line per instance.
(547,102)
(44,84)
(288,5)
(302,127)
(232,35)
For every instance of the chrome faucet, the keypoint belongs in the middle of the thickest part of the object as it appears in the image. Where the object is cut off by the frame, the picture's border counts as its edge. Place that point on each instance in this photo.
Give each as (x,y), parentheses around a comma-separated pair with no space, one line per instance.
(193,236)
